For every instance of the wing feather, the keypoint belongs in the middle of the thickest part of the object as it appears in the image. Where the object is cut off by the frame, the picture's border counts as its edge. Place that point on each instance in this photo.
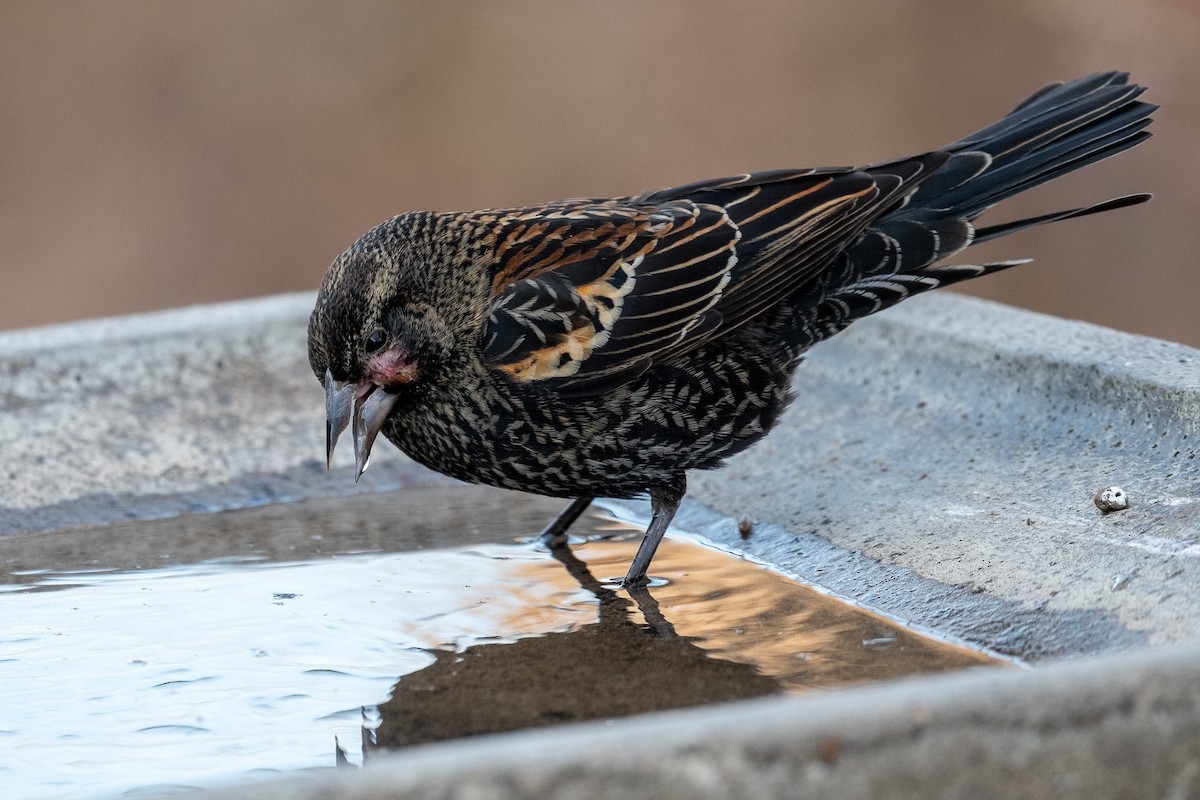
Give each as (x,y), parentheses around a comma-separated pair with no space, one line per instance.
(617,285)
(589,294)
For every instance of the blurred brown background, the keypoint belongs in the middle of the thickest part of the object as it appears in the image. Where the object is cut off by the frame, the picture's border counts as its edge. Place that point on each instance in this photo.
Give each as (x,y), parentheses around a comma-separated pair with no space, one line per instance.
(155,154)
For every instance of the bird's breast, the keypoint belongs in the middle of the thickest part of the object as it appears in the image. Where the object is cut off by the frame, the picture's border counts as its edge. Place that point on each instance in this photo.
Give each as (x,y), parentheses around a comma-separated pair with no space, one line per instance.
(690,415)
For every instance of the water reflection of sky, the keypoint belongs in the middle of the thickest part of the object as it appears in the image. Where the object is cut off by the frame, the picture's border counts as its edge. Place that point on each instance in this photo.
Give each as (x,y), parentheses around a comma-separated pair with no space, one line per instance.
(207,671)
(211,671)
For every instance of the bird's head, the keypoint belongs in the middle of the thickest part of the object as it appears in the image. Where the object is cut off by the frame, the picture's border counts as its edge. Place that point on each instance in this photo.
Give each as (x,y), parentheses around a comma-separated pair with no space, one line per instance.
(394,318)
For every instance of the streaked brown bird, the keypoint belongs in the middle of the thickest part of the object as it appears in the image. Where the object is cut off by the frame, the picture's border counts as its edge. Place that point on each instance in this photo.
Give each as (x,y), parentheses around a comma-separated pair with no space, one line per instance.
(604,347)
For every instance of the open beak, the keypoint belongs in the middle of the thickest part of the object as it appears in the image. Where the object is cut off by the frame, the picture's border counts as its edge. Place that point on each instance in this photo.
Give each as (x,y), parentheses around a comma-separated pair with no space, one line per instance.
(364,407)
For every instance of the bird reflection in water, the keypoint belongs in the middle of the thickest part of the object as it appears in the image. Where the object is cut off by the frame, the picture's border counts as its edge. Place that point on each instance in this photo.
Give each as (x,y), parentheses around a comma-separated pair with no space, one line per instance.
(616,667)
(733,630)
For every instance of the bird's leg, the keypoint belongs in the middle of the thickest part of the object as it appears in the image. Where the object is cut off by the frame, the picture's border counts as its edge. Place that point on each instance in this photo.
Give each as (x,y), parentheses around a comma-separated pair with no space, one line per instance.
(664,502)
(555,534)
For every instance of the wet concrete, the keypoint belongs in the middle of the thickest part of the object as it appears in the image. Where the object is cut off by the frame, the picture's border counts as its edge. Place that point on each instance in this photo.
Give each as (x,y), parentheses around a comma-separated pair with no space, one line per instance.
(419,519)
(1032,632)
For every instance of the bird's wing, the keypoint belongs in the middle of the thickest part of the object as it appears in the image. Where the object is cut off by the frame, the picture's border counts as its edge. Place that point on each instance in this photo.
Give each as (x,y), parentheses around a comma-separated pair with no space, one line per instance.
(795,224)
(587,295)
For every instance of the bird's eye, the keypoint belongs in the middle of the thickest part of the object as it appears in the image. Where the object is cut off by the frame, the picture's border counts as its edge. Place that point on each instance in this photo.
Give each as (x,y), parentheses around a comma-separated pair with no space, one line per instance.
(375,340)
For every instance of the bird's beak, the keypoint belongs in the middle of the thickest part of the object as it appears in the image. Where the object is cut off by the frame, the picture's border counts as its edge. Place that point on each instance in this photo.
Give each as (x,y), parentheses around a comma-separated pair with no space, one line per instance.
(369,415)
(363,404)
(339,404)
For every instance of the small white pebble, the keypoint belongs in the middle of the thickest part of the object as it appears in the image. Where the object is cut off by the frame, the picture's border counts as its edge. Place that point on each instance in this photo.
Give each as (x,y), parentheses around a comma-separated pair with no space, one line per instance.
(1121,580)
(1111,498)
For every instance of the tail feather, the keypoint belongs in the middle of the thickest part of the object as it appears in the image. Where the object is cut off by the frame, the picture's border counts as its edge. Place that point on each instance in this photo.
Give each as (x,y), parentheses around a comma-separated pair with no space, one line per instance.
(1045,101)
(1059,129)
(957,171)
(1083,114)
(996,231)
(975,197)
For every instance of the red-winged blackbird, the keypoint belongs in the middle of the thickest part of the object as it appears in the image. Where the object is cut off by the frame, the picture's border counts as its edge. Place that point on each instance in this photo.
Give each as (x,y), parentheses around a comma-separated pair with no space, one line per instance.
(604,347)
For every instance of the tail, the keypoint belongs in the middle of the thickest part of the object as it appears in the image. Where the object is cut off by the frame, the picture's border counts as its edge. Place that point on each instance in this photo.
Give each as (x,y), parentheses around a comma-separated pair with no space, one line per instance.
(1057,130)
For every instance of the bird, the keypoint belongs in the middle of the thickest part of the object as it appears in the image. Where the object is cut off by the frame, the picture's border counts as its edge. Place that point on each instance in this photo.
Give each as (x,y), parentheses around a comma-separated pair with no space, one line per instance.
(606,347)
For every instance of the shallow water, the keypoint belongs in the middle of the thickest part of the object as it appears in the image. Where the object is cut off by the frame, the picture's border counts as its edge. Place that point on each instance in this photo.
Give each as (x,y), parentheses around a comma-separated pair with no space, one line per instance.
(210,648)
